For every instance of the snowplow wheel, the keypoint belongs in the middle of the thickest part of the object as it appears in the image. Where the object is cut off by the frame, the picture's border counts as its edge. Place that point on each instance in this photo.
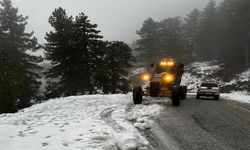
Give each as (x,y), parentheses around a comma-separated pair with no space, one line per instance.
(183,90)
(154,89)
(137,95)
(176,96)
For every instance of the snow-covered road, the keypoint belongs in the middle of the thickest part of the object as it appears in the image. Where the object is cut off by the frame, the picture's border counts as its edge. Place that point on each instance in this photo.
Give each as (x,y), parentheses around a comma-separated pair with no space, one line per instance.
(106,122)
(78,123)
(205,124)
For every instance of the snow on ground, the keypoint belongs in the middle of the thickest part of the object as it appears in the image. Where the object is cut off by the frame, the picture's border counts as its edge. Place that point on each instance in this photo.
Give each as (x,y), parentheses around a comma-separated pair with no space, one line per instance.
(138,71)
(245,76)
(142,115)
(197,72)
(75,123)
(204,68)
(241,97)
(240,78)
(190,81)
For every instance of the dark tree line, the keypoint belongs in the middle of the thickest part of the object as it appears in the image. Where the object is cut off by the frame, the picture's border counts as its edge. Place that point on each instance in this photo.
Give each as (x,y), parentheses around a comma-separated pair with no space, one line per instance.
(81,62)
(159,39)
(219,32)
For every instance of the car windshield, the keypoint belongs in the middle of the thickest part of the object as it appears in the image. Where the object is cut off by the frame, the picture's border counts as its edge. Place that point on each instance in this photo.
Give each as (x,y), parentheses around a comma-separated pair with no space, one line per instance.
(209,85)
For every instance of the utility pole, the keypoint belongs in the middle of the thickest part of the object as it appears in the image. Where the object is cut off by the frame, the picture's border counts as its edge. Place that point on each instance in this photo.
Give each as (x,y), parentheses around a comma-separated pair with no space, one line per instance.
(246,50)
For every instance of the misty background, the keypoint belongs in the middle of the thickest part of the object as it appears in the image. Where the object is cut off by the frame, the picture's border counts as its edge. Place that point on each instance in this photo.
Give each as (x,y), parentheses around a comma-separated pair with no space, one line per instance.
(117,19)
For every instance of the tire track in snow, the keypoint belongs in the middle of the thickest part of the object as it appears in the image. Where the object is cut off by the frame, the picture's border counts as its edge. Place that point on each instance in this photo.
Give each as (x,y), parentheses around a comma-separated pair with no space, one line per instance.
(155,135)
(155,142)
(106,116)
(122,138)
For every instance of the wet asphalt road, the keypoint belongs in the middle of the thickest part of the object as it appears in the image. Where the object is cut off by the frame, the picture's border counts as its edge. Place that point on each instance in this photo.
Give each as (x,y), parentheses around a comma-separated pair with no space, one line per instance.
(204,125)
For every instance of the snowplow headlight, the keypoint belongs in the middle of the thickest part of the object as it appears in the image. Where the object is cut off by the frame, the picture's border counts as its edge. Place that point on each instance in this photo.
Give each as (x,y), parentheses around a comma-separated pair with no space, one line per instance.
(168,78)
(163,63)
(170,63)
(167,63)
(146,77)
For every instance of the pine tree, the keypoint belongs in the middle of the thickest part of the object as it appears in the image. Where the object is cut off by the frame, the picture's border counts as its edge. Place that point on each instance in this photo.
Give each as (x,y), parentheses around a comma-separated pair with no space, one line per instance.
(112,75)
(15,41)
(57,49)
(90,46)
(170,38)
(234,29)
(191,31)
(207,43)
(148,46)
(72,49)
(10,85)
(160,39)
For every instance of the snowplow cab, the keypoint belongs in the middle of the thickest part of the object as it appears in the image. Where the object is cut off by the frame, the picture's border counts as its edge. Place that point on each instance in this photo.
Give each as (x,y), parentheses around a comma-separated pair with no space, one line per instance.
(170,71)
(164,81)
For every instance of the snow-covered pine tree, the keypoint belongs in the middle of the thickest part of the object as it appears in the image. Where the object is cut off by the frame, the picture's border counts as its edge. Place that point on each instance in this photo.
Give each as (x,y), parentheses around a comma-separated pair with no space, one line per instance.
(15,42)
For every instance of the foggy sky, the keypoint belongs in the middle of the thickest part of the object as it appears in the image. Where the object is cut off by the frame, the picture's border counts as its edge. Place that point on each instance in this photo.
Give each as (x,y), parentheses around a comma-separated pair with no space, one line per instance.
(117,19)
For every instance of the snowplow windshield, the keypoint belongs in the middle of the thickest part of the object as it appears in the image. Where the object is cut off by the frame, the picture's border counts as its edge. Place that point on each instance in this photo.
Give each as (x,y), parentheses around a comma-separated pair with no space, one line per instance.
(161,69)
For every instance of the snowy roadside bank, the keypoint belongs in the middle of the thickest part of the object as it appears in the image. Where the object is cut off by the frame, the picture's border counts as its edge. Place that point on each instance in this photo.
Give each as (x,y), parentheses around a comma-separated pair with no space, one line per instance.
(237,96)
(75,123)
(88,122)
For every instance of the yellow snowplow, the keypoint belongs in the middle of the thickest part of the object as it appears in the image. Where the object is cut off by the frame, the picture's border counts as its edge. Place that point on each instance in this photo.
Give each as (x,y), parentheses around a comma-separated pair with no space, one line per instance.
(164,81)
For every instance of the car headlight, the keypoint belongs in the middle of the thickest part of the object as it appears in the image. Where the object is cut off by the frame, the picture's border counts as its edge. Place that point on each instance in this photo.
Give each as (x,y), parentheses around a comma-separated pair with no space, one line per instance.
(168,78)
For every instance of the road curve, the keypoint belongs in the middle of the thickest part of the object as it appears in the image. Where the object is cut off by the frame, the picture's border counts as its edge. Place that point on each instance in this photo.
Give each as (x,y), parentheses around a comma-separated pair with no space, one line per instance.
(204,124)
